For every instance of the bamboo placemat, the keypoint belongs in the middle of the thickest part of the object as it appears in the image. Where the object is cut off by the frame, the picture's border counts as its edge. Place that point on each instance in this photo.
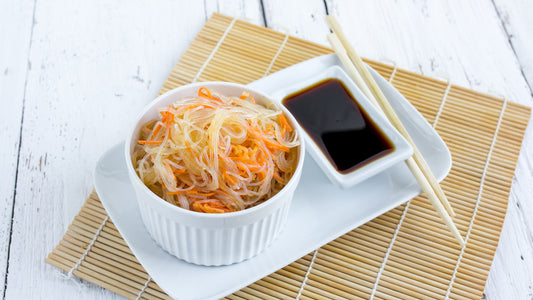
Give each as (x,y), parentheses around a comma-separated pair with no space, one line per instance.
(406,253)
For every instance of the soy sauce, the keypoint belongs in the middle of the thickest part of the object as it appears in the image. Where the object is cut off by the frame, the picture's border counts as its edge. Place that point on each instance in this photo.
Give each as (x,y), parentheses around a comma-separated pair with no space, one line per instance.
(340,127)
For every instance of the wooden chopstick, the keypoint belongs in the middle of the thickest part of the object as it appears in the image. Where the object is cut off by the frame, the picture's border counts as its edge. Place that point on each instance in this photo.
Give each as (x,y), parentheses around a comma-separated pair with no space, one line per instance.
(416,163)
(358,62)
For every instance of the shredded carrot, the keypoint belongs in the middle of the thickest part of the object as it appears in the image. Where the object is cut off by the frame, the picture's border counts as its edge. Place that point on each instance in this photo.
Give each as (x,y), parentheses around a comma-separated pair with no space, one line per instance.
(168,116)
(270,129)
(242,169)
(210,206)
(195,106)
(156,130)
(241,159)
(262,173)
(201,194)
(230,178)
(259,134)
(191,192)
(284,123)
(269,143)
(169,119)
(205,92)
(247,95)
(150,142)
(254,168)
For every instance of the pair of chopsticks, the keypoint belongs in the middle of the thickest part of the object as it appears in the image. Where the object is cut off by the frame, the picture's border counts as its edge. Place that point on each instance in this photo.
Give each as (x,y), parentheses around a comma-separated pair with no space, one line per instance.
(416,163)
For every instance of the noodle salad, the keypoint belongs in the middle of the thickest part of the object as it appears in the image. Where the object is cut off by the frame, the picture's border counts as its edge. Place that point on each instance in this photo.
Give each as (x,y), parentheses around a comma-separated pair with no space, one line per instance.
(216,154)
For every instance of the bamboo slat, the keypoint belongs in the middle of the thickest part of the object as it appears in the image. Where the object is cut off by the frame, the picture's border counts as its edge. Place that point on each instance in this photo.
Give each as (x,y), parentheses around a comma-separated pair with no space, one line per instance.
(405,253)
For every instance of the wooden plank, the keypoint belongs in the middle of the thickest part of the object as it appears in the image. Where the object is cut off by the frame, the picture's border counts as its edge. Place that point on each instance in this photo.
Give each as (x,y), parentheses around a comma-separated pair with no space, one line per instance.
(16,21)
(94,66)
(511,274)
(303,19)
(249,11)
(516,18)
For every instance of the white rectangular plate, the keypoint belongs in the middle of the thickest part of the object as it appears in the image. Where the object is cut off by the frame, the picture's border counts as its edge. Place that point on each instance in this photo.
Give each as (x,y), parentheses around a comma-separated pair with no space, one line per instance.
(320,211)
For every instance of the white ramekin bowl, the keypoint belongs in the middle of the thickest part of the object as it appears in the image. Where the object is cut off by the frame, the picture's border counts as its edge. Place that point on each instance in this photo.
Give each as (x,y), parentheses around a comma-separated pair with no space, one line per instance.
(210,239)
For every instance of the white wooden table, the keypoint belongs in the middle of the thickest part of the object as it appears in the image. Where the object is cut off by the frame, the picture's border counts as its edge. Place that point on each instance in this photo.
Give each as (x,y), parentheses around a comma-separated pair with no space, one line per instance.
(73,74)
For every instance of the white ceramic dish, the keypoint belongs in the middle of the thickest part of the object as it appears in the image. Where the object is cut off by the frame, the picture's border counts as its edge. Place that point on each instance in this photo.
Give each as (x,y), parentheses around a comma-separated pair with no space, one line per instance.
(402,149)
(210,239)
(337,210)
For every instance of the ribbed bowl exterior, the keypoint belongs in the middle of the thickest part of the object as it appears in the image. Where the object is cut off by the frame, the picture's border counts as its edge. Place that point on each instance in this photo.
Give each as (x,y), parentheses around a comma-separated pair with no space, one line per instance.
(213,246)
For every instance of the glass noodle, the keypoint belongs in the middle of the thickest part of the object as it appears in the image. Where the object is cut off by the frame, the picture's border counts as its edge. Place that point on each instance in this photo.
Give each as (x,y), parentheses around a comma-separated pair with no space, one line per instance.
(215,153)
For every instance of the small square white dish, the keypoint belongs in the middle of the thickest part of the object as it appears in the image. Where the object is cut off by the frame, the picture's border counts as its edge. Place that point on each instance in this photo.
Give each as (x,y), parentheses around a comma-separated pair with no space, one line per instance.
(401,148)
(316,198)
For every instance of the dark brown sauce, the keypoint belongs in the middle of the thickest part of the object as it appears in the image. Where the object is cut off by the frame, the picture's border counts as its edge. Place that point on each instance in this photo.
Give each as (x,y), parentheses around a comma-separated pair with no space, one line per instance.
(341,128)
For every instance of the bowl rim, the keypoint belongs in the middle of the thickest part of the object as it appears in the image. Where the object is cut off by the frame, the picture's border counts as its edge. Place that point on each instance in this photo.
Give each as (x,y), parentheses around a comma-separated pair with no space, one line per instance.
(153,104)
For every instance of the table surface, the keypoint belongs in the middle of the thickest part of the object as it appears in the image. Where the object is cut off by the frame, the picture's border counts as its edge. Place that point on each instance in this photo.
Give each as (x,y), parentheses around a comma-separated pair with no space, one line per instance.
(73,74)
